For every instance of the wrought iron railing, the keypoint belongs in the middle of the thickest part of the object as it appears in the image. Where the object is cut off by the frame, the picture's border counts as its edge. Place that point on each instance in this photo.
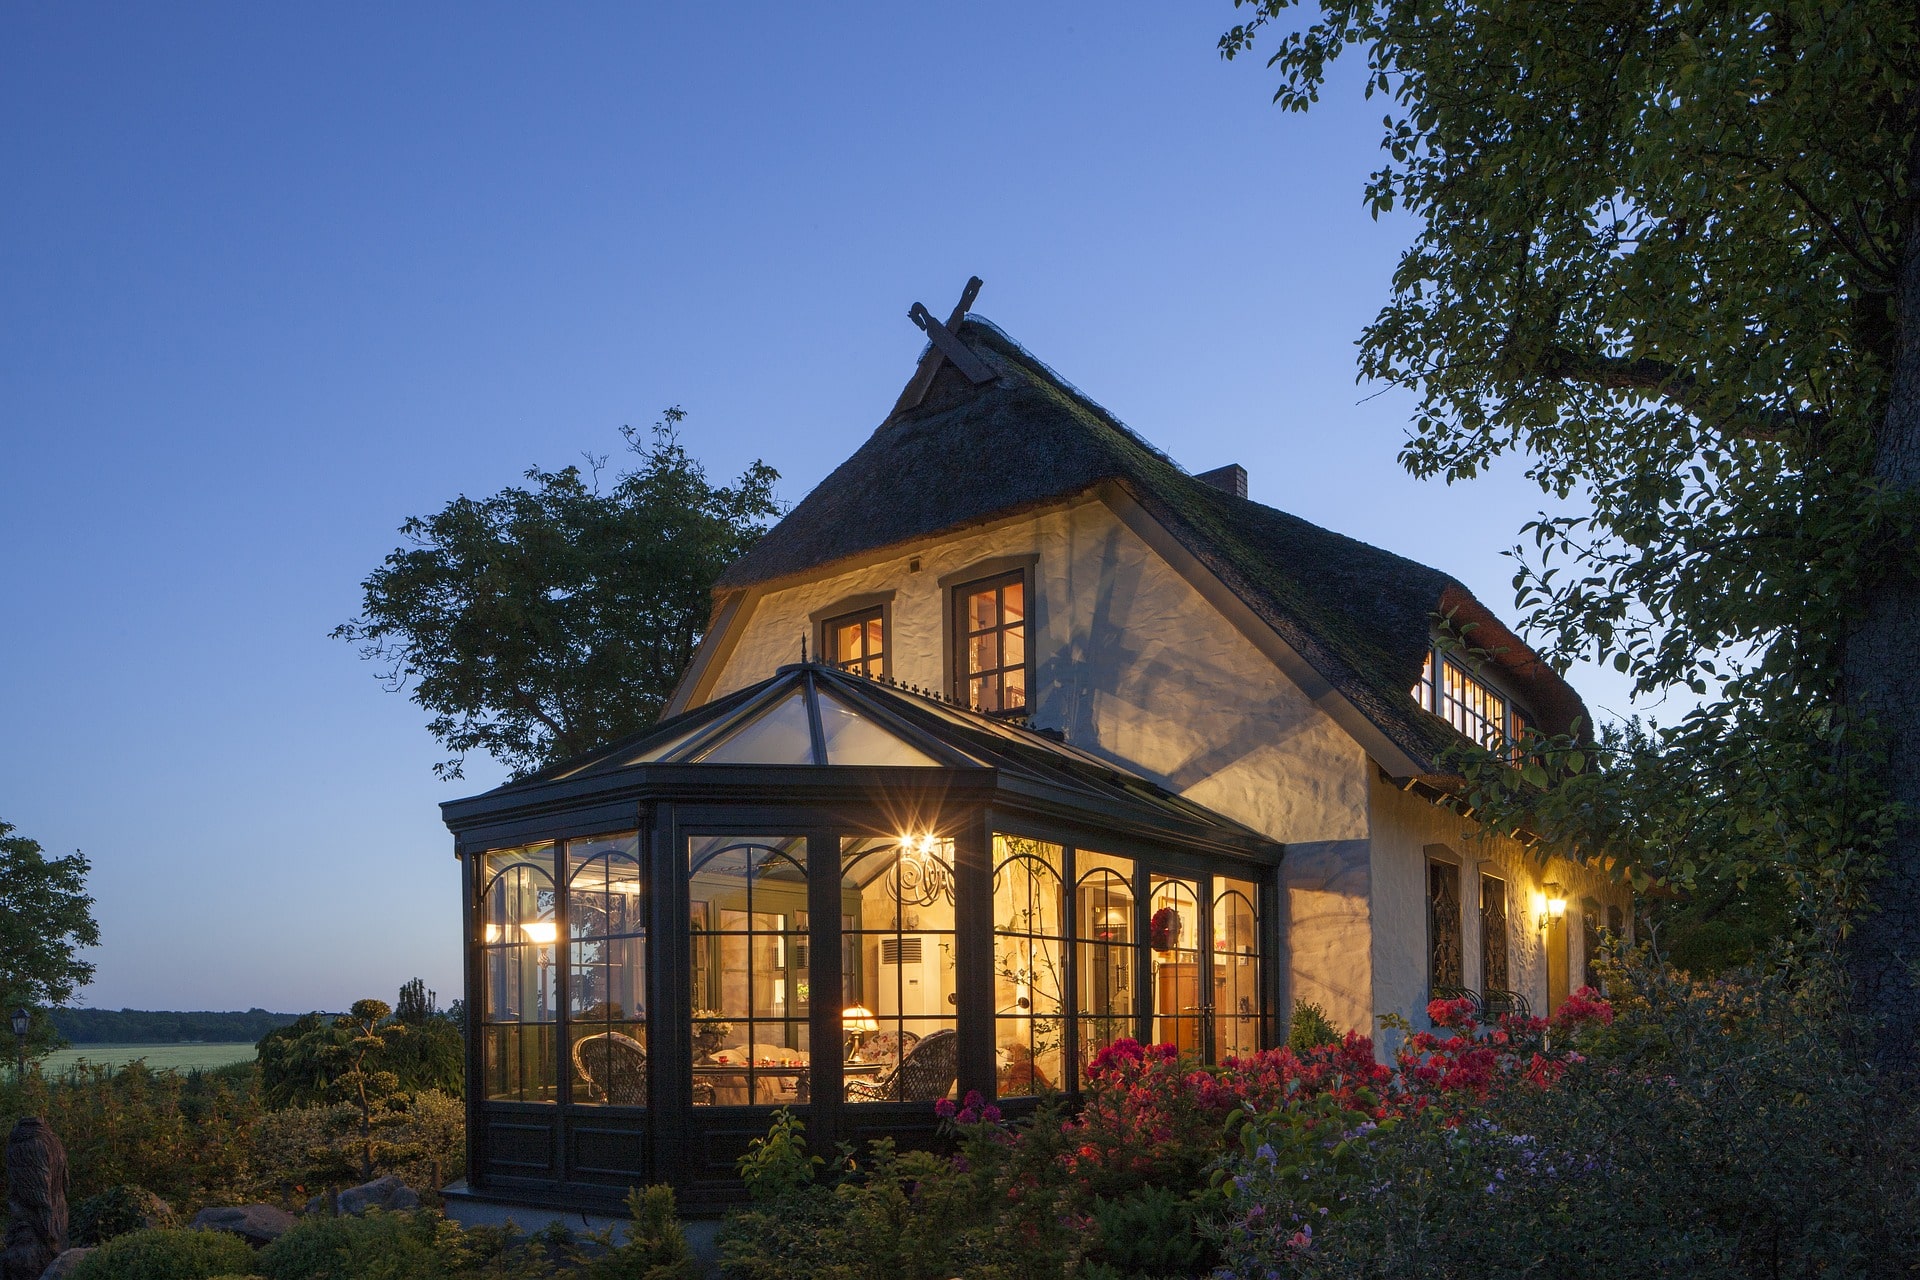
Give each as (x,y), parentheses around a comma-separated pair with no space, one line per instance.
(1488,1005)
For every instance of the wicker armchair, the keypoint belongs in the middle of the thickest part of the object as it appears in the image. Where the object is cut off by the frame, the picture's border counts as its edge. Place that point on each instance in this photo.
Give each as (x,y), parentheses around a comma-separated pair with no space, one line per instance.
(926,1074)
(614,1067)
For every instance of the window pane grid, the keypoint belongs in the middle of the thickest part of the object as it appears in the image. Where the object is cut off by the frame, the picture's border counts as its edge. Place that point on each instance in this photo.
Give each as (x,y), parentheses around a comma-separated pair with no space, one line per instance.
(1029,960)
(1106,922)
(898,970)
(1470,705)
(748,944)
(519,1007)
(1173,941)
(607,973)
(857,643)
(1236,970)
(993,644)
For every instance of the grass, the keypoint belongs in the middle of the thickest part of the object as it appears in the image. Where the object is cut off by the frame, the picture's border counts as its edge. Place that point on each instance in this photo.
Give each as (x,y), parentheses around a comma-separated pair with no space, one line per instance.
(160,1057)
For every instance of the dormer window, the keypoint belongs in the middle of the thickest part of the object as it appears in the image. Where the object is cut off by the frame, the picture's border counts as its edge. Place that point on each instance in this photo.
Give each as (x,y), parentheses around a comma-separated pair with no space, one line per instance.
(856,642)
(1471,705)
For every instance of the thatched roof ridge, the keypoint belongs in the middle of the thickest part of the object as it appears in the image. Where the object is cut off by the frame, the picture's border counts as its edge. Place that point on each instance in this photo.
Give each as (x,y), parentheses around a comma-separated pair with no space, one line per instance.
(1360,616)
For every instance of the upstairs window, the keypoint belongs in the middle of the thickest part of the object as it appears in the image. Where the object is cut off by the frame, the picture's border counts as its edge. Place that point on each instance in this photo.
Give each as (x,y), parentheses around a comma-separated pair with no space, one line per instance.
(856,642)
(1469,704)
(990,644)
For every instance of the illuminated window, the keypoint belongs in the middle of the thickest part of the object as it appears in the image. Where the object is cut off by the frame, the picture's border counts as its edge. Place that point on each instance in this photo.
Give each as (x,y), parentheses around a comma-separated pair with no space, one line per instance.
(991,643)
(1470,705)
(856,642)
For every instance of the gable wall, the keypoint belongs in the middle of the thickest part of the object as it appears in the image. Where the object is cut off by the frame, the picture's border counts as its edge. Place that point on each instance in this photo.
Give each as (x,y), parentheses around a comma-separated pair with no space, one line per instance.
(1132,662)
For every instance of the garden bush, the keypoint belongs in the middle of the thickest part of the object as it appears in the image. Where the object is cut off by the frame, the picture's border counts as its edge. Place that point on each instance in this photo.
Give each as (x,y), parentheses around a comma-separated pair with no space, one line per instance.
(115,1212)
(167,1254)
(1700,1129)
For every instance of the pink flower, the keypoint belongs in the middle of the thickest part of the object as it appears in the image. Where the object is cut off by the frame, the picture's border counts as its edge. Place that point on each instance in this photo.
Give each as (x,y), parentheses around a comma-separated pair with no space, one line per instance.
(944,1108)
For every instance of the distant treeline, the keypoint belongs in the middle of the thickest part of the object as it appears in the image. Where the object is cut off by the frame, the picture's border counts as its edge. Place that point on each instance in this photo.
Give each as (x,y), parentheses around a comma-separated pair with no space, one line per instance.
(153,1026)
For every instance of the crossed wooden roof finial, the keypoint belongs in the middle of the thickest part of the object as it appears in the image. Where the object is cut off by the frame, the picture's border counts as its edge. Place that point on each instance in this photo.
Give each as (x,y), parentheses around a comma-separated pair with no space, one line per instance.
(946,346)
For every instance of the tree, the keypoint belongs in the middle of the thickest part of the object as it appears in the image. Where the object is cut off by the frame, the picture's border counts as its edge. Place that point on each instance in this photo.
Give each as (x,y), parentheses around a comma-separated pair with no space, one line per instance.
(46,916)
(544,621)
(304,1063)
(1670,253)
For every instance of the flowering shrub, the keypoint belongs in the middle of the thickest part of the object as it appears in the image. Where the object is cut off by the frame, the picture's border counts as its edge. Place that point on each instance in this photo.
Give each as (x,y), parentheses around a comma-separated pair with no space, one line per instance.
(1712,1130)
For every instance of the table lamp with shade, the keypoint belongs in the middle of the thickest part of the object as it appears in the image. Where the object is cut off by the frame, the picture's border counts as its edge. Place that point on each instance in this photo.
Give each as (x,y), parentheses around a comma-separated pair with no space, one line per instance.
(858,1021)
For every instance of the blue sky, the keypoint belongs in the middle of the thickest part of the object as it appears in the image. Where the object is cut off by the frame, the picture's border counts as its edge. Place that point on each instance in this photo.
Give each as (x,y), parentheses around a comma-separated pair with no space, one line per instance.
(273,278)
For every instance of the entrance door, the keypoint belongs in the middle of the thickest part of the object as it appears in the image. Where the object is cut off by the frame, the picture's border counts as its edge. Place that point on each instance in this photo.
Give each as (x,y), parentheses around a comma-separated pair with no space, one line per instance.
(1176,983)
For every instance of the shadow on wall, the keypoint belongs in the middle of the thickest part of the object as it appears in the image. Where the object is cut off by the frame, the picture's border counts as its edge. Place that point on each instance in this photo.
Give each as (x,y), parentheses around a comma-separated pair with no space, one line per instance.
(1326,939)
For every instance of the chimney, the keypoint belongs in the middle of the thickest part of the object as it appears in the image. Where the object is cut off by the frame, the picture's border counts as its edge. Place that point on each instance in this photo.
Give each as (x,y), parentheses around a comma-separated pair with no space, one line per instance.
(1231,478)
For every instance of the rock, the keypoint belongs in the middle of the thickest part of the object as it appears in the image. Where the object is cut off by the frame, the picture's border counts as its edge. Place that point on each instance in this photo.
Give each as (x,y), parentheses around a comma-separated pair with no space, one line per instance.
(319,1205)
(62,1267)
(382,1193)
(257,1224)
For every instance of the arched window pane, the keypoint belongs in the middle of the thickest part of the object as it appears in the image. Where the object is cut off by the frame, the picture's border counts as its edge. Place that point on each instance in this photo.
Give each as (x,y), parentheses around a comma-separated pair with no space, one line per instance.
(1106,924)
(1029,965)
(1237,1003)
(519,1005)
(1173,944)
(749,948)
(607,972)
(897,996)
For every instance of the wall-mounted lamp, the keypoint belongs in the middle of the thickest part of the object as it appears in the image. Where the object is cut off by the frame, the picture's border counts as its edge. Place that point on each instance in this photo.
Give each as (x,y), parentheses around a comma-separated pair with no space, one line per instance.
(1550,906)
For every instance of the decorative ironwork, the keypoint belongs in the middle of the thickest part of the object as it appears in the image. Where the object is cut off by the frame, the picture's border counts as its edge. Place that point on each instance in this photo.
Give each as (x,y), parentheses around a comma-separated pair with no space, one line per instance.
(1493,932)
(1443,925)
(920,879)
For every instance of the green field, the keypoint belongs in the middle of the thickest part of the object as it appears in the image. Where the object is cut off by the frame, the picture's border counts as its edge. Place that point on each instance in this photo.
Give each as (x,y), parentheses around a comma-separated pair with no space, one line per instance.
(178,1057)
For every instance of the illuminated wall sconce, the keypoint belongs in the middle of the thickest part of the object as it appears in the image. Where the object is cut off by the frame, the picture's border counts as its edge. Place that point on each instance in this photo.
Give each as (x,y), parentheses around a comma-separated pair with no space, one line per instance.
(541,931)
(1549,906)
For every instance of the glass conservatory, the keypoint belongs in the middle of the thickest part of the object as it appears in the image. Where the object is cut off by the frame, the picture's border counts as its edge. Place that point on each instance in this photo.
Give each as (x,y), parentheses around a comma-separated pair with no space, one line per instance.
(828,893)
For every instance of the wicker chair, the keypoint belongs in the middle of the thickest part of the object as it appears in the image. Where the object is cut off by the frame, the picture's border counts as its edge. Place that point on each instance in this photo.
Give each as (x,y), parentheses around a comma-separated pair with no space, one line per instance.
(614,1067)
(926,1074)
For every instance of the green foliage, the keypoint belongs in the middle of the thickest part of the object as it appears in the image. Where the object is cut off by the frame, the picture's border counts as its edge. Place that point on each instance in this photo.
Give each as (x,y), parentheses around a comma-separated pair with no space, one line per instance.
(115,1212)
(181,1136)
(778,1164)
(1712,1129)
(655,1248)
(167,1254)
(1309,1028)
(396,1246)
(297,1061)
(46,917)
(1152,1232)
(541,622)
(1659,254)
(296,1151)
(155,1026)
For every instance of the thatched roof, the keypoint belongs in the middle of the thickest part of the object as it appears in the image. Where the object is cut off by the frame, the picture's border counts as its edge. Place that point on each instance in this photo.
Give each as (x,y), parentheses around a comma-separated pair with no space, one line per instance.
(1360,616)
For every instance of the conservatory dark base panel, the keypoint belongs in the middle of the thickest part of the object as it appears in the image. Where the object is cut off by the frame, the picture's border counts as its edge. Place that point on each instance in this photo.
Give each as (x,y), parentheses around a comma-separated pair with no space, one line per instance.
(826,895)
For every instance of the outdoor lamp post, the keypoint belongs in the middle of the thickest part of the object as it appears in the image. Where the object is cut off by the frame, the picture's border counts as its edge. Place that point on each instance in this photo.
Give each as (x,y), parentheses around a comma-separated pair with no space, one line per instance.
(22,1020)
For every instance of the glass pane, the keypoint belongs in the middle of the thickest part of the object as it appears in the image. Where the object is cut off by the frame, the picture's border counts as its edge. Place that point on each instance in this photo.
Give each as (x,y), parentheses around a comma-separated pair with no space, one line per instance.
(855,739)
(1105,922)
(876,637)
(521,979)
(1013,599)
(1029,965)
(1014,645)
(848,642)
(984,693)
(983,652)
(1173,941)
(780,735)
(1237,1002)
(749,969)
(1016,694)
(982,610)
(607,971)
(897,968)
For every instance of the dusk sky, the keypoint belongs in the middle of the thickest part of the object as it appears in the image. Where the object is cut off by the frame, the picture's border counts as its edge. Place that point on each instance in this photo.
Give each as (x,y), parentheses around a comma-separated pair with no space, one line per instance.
(274,278)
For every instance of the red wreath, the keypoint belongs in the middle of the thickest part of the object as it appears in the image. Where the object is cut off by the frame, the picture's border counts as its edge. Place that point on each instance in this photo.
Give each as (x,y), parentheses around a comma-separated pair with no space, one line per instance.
(1163,930)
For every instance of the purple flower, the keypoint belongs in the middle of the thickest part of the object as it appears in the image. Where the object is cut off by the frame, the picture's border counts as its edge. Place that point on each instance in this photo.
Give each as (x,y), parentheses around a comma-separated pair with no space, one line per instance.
(944,1108)
(990,1113)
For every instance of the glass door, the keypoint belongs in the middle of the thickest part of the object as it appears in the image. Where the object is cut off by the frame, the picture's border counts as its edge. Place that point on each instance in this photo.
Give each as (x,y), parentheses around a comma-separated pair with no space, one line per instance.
(1176,985)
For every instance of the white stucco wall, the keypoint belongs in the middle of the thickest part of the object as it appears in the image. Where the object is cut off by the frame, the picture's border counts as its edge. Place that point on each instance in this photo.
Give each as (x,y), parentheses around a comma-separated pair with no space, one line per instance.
(1131,660)
(1403,825)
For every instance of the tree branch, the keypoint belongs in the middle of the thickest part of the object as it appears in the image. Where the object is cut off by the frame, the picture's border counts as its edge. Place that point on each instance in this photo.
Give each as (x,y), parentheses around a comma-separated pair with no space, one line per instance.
(1665,380)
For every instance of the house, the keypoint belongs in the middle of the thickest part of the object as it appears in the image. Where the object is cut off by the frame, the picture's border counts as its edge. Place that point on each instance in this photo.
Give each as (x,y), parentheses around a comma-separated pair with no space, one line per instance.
(1012,738)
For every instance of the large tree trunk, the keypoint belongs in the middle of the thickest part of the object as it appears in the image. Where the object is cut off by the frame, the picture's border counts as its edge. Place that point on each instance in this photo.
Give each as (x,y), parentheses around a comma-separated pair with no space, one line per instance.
(1882,673)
